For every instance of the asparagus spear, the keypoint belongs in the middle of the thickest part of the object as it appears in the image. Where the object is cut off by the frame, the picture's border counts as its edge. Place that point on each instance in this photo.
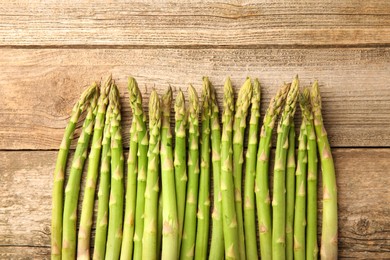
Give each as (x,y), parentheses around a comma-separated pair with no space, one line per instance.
(170,234)
(59,172)
(279,199)
(262,178)
(115,221)
(217,240)
(189,230)
(159,224)
(311,231)
(250,174)
(290,193)
(202,232)
(129,220)
(300,195)
(180,159)
(329,188)
(84,235)
(149,240)
(73,186)
(140,117)
(242,105)
(230,229)
(104,191)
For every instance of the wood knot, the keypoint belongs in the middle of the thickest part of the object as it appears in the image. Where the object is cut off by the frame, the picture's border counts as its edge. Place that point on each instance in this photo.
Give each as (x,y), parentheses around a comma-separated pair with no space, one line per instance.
(362,226)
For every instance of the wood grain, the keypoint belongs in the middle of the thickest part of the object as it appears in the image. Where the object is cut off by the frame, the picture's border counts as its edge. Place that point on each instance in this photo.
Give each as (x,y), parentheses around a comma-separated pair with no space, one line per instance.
(205,23)
(40,86)
(364,218)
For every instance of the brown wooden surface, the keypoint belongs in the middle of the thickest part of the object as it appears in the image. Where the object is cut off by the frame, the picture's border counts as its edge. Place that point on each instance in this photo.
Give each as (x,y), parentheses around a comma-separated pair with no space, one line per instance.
(50,50)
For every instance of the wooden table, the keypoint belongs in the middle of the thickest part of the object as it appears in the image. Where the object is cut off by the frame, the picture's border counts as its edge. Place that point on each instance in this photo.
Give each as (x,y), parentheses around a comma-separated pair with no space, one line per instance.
(50,50)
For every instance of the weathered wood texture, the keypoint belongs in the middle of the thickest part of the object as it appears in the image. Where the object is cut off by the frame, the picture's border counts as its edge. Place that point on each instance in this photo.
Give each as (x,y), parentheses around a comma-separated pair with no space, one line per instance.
(41,86)
(206,23)
(25,203)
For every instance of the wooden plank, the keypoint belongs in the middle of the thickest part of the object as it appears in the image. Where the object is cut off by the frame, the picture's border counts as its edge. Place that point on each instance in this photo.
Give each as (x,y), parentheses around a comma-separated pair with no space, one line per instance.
(207,23)
(364,219)
(39,87)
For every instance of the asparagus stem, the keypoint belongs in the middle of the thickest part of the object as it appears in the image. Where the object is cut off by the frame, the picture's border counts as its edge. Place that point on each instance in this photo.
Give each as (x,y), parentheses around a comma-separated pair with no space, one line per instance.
(230,229)
(203,215)
(73,186)
(159,224)
(132,170)
(180,160)
(329,187)
(115,221)
(242,105)
(262,177)
(104,191)
(300,196)
(149,240)
(311,230)
(217,240)
(140,117)
(250,174)
(189,230)
(84,235)
(170,234)
(290,193)
(59,172)
(279,199)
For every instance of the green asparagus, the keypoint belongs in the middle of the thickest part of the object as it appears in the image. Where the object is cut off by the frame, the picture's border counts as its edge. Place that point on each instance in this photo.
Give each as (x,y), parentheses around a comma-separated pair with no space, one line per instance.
(279,199)
(73,186)
(84,236)
(250,174)
(142,134)
(132,169)
(290,193)
(262,176)
(180,160)
(300,192)
(227,186)
(149,240)
(189,230)
(59,173)
(217,240)
(203,215)
(170,236)
(242,105)
(115,220)
(104,191)
(329,187)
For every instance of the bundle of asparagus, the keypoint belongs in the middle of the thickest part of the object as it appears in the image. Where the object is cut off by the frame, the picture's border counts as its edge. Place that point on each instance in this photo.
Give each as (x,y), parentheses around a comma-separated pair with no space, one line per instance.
(166,211)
